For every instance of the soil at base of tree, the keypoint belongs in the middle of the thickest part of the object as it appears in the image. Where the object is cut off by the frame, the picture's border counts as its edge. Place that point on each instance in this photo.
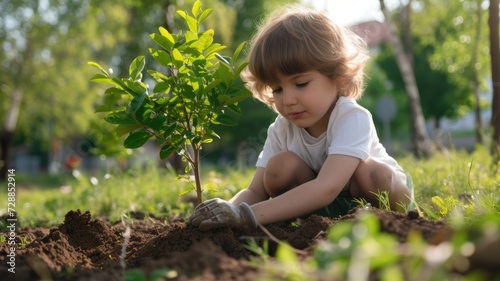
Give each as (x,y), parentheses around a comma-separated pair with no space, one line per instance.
(82,248)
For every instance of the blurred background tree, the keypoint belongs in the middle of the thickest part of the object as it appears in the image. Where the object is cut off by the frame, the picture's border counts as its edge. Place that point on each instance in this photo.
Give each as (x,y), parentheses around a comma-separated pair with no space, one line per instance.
(493,23)
(47,101)
(44,86)
(456,50)
(421,145)
(449,53)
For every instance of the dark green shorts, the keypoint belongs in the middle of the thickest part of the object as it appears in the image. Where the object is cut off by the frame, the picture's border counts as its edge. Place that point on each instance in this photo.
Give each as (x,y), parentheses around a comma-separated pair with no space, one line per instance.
(339,207)
(345,202)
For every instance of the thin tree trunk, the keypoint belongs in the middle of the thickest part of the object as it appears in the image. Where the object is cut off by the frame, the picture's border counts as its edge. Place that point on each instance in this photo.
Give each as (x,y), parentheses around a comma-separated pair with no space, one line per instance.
(421,144)
(196,170)
(406,23)
(8,132)
(16,97)
(478,123)
(5,143)
(495,77)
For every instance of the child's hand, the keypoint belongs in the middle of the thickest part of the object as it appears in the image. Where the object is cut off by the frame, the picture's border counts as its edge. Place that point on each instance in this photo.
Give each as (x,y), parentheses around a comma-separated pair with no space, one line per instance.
(217,213)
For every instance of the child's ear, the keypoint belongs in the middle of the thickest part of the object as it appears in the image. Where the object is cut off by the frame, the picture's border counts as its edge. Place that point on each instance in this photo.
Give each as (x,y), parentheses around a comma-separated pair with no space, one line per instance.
(338,81)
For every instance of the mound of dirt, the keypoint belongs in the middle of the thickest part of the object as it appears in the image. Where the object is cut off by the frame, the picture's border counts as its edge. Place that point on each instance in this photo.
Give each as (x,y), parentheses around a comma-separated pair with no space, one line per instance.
(82,248)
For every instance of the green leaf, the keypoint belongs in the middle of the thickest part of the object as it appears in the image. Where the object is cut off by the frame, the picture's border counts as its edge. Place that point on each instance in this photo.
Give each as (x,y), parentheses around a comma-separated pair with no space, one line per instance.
(212,85)
(208,140)
(143,114)
(182,14)
(162,87)
(224,73)
(178,58)
(95,64)
(135,88)
(157,122)
(120,117)
(158,76)
(212,49)
(223,60)
(187,92)
(136,67)
(204,15)
(119,83)
(224,119)
(162,274)
(165,33)
(234,108)
(238,51)
(114,90)
(439,202)
(205,40)
(162,41)
(168,132)
(191,39)
(286,255)
(196,8)
(161,57)
(102,79)
(371,223)
(136,139)
(134,275)
(239,98)
(125,129)
(240,69)
(214,134)
(166,150)
(137,102)
(191,22)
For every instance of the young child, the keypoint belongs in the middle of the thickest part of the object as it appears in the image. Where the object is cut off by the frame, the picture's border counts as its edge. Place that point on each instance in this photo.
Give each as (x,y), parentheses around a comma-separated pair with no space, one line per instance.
(322,151)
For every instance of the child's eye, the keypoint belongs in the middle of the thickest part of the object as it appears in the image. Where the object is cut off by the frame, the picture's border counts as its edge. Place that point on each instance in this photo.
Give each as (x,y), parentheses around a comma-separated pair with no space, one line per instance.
(302,85)
(277,90)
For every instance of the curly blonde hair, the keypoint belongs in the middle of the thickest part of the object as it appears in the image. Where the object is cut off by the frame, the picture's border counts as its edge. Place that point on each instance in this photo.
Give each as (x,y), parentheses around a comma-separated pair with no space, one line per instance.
(294,40)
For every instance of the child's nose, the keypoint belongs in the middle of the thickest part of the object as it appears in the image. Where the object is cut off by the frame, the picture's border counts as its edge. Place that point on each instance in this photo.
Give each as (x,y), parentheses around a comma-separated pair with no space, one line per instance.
(289,98)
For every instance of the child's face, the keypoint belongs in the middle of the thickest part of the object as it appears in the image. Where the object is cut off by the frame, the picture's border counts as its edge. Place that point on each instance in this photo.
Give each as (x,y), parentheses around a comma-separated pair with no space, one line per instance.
(306,99)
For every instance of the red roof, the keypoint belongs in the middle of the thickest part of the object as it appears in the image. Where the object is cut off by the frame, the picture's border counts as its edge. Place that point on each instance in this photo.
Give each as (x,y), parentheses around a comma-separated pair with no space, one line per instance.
(372,32)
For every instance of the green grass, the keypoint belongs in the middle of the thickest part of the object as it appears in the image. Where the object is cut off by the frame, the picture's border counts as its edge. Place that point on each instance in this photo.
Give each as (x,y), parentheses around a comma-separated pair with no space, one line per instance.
(456,185)
(43,201)
(447,184)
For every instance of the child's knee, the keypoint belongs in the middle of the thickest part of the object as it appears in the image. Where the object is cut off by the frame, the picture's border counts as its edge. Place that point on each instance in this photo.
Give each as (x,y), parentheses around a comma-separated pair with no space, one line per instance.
(373,177)
(375,174)
(284,171)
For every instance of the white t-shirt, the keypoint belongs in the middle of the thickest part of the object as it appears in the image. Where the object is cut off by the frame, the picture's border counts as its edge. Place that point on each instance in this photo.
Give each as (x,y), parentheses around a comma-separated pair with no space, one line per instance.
(350,132)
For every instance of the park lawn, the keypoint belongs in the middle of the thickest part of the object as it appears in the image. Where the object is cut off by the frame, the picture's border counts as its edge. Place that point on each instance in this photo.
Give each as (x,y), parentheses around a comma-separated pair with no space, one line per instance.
(444,183)
(454,190)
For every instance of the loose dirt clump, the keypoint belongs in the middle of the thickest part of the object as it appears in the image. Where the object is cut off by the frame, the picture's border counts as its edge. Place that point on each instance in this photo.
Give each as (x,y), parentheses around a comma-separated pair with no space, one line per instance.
(82,248)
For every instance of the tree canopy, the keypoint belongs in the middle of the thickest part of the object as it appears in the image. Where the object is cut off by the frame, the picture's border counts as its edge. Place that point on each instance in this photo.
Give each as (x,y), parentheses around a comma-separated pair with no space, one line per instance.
(443,37)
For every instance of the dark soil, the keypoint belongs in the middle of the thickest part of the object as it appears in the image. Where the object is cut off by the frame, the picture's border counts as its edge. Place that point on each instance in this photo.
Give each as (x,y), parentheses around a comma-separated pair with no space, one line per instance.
(82,248)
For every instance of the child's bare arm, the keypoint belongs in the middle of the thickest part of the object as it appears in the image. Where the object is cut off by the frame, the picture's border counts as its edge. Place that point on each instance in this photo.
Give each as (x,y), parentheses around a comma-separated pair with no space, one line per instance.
(310,196)
(255,192)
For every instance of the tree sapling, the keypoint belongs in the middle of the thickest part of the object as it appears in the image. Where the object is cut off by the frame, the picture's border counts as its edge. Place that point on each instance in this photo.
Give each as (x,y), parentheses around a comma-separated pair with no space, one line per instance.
(195,87)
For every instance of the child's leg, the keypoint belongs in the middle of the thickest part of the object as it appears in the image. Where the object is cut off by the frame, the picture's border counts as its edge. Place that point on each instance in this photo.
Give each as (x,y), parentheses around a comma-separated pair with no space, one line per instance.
(285,171)
(373,177)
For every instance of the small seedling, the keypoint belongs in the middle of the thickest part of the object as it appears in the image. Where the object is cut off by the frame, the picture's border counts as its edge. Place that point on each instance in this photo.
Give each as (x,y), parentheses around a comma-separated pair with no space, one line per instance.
(196,89)
(362,202)
(261,251)
(383,200)
(23,241)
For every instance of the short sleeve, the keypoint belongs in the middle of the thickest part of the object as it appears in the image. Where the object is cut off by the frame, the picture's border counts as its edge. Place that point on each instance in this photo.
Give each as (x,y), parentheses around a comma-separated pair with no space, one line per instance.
(350,131)
(273,143)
